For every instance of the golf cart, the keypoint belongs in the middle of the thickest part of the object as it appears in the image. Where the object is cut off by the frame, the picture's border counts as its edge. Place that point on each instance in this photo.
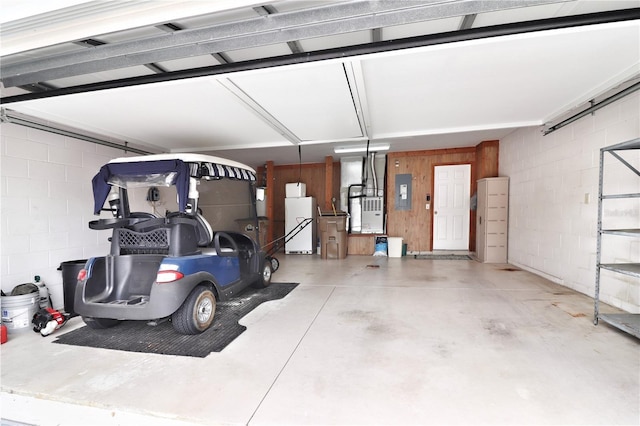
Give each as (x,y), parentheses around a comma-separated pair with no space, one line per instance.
(176,264)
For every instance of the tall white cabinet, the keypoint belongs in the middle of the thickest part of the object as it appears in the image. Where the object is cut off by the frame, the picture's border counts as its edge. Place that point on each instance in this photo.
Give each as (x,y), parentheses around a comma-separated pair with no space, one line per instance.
(492,219)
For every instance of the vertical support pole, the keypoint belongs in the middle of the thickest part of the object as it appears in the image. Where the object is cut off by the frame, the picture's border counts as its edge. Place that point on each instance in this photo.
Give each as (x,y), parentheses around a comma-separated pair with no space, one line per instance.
(596,308)
(270,194)
(328,182)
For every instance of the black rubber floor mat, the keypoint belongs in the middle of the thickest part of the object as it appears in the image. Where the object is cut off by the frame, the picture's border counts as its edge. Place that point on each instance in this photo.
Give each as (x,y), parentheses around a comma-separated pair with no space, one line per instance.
(137,336)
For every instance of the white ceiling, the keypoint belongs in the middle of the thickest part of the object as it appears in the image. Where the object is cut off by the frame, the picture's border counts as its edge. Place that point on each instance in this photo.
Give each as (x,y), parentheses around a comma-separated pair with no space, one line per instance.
(447,95)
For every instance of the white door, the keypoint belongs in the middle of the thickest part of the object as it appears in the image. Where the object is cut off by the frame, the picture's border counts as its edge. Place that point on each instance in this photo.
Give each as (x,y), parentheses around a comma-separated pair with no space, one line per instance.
(452,187)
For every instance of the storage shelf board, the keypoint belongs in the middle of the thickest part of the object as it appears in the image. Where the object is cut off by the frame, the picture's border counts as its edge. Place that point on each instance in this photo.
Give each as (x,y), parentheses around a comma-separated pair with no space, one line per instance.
(623,232)
(629,323)
(632,144)
(632,269)
(614,196)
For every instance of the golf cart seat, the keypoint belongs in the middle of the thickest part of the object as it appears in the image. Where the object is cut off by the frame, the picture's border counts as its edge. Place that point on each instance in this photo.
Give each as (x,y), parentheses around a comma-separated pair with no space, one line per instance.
(203,231)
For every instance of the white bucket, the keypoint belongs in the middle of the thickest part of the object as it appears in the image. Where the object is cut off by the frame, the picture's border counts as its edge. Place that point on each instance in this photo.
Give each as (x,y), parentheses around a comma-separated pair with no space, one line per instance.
(18,311)
(395,246)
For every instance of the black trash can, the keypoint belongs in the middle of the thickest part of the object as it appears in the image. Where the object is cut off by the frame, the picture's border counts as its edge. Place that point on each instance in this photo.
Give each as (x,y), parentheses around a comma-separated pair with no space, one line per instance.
(70,271)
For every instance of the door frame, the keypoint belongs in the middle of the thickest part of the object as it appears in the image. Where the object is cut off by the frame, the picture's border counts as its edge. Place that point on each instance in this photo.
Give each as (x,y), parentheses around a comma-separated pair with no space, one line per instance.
(473,187)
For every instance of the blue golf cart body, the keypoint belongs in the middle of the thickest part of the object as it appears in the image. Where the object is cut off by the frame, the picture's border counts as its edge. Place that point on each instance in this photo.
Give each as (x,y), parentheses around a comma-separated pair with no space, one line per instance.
(172,265)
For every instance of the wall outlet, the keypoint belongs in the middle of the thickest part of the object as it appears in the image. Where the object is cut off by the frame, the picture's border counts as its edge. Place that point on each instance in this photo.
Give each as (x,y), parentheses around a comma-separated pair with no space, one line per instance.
(587,198)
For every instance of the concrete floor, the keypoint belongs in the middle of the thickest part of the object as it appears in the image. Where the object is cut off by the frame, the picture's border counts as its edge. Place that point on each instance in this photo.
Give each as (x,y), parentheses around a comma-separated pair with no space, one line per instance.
(407,342)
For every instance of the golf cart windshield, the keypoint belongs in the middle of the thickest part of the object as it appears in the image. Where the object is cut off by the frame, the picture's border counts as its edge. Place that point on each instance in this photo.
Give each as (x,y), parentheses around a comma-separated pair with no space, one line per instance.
(155,179)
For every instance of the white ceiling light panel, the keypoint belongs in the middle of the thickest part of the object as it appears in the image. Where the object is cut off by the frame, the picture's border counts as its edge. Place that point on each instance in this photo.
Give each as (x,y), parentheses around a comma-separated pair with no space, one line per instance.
(361,148)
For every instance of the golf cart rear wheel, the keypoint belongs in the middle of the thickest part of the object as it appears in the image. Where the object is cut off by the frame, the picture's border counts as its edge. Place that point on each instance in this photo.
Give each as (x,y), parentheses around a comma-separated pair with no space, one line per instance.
(265,279)
(196,313)
(100,323)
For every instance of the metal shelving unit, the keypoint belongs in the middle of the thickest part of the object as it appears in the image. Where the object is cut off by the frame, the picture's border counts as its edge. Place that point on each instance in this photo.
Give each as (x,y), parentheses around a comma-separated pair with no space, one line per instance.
(629,323)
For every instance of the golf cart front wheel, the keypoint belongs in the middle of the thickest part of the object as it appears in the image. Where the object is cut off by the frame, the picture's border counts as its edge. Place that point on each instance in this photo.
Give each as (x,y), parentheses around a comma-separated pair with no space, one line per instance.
(265,280)
(275,263)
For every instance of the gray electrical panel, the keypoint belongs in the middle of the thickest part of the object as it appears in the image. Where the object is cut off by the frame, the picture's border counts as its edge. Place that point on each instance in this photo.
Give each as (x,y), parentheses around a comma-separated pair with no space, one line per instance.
(403,192)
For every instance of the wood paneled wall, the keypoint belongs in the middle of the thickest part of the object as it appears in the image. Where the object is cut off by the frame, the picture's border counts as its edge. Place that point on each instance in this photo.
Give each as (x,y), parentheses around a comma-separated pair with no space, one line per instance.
(322,181)
(414,226)
(361,244)
(487,160)
(487,166)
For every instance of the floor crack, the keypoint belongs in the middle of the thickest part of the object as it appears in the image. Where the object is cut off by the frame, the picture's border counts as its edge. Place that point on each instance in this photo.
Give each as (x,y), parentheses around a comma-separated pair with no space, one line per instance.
(291,355)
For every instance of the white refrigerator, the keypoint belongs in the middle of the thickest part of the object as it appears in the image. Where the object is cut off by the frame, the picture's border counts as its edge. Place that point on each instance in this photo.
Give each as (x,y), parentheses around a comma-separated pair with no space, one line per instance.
(300,215)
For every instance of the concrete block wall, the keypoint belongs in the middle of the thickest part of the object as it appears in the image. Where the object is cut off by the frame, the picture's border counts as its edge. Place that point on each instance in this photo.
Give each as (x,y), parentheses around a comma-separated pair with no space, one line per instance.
(553,206)
(46,204)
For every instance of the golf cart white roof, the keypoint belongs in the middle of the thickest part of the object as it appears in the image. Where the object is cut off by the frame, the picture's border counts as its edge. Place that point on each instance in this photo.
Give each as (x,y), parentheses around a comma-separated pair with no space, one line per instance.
(187,158)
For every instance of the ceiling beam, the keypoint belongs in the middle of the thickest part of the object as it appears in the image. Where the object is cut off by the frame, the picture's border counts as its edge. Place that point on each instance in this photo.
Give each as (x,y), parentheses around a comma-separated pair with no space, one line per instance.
(349,51)
(259,111)
(467,21)
(268,9)
(355,80)
(276,28)
(90,42)
(295,46)
(222,58)
(376,35)
(169,27)
(37,87)
(158,69)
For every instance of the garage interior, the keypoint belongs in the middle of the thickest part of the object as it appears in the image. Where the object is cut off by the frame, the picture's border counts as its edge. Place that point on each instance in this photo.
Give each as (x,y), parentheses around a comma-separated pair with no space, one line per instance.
(529,90)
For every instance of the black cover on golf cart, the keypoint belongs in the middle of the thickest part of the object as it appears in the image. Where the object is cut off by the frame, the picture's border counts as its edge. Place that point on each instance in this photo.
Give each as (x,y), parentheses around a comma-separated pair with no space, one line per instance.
(101,185)
(183,170)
